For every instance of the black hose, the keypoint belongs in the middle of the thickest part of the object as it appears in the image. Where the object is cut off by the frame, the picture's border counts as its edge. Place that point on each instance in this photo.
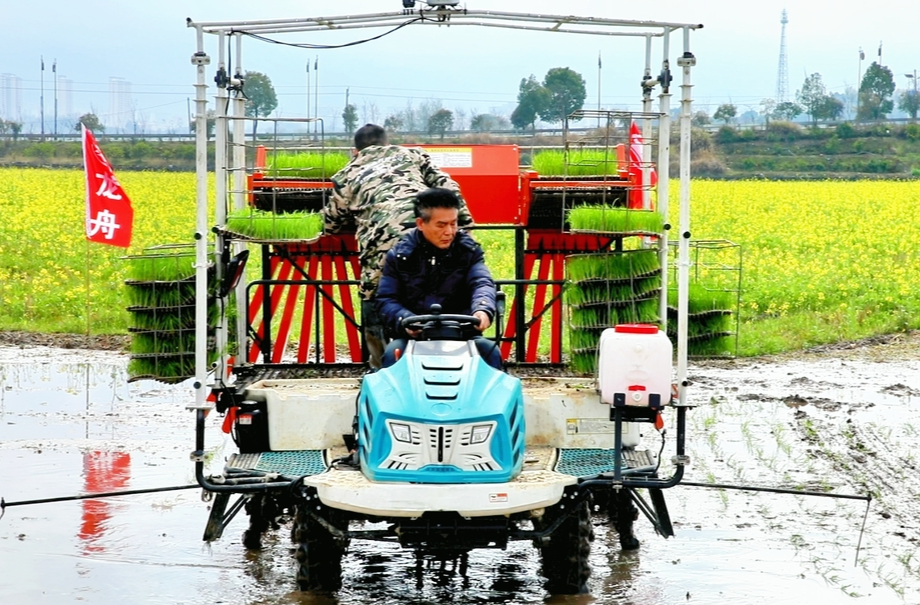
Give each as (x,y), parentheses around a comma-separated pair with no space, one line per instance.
(130,492)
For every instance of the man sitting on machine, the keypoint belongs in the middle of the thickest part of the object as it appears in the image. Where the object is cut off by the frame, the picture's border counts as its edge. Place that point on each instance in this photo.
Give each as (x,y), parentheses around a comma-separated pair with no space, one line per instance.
(435,264)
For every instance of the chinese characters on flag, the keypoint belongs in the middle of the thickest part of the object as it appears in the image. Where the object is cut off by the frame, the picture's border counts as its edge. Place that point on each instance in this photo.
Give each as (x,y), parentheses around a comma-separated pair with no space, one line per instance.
(109,216)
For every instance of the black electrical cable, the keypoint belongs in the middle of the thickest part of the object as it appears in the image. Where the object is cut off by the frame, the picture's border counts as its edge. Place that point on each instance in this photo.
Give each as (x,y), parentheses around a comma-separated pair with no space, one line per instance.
(330,46)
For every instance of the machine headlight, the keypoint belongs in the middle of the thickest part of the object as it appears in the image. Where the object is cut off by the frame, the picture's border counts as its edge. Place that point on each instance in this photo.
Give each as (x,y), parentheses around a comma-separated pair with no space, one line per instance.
(401,432)
(480,433)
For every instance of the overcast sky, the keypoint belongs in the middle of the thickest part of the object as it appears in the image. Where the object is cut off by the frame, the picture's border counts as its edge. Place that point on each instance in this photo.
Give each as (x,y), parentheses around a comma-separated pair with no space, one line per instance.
(468,68)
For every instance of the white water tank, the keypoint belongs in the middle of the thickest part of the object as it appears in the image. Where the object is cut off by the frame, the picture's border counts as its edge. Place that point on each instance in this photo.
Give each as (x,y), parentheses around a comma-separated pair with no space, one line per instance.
(634,366)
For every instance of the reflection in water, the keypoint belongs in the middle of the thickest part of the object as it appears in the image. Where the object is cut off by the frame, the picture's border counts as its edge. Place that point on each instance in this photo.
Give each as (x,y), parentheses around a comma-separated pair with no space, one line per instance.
(79,410)
(102,472)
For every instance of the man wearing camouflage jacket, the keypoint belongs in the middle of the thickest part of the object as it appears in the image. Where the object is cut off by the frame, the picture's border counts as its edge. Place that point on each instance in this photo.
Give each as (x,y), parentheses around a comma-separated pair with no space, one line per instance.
(375,195)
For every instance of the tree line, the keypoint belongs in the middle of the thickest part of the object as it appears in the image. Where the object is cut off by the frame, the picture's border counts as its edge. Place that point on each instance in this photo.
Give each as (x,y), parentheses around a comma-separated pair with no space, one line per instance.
(875,100)
(561,92)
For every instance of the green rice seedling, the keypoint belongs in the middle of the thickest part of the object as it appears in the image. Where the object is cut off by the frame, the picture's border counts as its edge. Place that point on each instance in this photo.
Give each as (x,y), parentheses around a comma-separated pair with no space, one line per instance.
(593,316)
(168,319)
(163,342)
(585,338)
(262,225)
(647,311)
(629,315)
(174,318)
(305,164)
(711,323)
(583,361)
(596,292)
(578,293)
(710,347)
(164,368)
(169,368)
(161,294)
(162,264)
(616,266)
(701,299)
(576,162)
(608,219)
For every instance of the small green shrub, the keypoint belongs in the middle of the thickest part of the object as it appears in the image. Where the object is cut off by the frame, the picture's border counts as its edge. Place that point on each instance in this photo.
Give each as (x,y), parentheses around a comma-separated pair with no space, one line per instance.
(787,131)
(707,165)
(727,134)
(140,149)
(845,130)
(42,150)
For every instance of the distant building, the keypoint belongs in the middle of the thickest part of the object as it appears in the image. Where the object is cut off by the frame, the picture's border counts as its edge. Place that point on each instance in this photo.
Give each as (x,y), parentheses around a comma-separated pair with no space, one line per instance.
(10,97)
(121,107)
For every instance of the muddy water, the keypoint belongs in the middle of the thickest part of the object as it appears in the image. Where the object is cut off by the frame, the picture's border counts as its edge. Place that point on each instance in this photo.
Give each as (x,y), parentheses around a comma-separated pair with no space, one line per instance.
(70,423)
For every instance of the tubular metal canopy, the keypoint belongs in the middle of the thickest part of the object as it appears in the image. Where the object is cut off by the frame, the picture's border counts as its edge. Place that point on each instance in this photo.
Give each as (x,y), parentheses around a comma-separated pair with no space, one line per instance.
(445,16)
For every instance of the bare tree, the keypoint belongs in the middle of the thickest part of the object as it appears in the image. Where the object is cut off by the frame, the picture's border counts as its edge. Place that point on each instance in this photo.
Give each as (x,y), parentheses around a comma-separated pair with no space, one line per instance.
(426,109)
(369,112)
(459,119)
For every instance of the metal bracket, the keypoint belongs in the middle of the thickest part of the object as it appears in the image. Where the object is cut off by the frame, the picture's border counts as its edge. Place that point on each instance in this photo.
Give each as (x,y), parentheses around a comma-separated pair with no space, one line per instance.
(682,460)
(686,60)
(201,58)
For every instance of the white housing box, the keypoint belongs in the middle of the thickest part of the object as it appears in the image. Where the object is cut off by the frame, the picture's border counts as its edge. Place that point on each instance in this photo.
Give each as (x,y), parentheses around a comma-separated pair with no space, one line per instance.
(634,366)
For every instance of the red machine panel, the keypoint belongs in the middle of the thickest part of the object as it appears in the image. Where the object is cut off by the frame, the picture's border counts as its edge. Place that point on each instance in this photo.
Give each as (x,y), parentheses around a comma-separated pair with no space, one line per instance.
(488,177)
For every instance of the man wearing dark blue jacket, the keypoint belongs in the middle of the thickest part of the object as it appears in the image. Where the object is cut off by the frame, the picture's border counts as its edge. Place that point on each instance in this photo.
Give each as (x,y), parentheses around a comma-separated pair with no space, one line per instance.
(436,264)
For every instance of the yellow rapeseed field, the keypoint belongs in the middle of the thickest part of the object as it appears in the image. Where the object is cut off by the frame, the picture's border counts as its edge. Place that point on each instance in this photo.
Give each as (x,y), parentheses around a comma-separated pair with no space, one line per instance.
(46,263)
(821,260)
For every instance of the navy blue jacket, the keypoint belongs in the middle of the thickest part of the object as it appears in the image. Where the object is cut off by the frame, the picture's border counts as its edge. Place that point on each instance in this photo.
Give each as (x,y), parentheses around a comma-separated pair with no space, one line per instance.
(417,275)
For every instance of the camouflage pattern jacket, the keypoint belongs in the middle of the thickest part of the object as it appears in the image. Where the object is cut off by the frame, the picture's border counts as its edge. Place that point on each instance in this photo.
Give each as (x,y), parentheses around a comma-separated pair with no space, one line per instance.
(374,195)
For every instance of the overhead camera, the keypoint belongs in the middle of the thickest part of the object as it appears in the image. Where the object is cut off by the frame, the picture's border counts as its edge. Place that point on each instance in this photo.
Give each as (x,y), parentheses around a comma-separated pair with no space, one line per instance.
(410,4)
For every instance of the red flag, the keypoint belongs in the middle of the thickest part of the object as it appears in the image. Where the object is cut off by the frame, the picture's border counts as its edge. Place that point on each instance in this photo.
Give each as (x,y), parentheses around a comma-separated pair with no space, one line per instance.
(635,168)
(109,216)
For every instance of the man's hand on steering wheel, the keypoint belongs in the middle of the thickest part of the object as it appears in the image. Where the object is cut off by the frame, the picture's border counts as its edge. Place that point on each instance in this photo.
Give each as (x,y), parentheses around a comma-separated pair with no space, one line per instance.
(484,321)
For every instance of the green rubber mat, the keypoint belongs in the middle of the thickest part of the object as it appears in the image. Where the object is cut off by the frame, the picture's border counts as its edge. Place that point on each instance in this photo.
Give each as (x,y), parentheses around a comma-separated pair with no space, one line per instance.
(289,464)
(590,462)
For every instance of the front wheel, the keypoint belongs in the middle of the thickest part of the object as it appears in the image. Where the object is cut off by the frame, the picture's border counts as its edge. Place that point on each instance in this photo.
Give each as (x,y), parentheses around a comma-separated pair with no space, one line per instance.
(319,553)
(565,552)
(623,514)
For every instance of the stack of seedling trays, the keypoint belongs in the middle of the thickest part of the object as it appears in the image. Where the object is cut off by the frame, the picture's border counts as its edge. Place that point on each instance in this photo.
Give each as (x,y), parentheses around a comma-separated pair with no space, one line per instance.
(605,290)
(161,295)
(710,323)
(610,288)
(252,224)
(592,179)
(291,180)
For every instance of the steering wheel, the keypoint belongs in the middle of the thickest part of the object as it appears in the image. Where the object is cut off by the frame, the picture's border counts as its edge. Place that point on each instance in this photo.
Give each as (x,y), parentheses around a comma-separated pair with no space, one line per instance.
(435,323)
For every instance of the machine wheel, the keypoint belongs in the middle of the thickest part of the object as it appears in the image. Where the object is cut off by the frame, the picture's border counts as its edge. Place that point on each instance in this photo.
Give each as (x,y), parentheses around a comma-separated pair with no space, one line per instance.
(258,522)
(623,514)
(565,552)
(318,553)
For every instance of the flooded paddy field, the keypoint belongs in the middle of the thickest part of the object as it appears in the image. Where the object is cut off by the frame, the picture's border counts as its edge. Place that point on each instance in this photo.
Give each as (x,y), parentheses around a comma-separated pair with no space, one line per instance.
(840,420)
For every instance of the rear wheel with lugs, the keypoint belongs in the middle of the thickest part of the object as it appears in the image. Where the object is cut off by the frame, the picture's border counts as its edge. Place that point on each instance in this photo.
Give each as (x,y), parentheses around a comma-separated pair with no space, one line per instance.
(319,553)
(565,552)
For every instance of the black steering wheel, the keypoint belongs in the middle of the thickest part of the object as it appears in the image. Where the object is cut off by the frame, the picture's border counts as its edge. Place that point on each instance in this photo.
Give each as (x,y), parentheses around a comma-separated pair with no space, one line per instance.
(435,326)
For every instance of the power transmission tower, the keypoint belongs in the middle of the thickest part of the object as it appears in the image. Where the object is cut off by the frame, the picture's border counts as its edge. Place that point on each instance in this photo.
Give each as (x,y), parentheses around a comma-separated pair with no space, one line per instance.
(782,79)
